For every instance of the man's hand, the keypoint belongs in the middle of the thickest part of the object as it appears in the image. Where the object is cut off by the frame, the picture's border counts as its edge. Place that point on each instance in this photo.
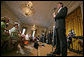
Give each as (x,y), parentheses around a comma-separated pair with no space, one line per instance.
(54,14)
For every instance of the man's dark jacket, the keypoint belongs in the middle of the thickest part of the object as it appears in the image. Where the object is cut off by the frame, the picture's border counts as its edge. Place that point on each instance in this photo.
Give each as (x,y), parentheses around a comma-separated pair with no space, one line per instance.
(60,18)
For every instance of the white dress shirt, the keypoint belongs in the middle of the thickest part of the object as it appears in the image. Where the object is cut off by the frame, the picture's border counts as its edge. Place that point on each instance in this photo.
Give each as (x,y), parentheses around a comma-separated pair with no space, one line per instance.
(59,9)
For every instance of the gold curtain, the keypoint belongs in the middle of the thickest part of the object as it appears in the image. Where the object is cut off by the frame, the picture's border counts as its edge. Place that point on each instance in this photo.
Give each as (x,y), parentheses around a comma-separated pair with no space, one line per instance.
(75,21)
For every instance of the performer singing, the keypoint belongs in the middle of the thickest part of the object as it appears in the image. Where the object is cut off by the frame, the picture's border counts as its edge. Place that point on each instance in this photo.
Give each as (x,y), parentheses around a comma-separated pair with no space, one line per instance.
(61,46)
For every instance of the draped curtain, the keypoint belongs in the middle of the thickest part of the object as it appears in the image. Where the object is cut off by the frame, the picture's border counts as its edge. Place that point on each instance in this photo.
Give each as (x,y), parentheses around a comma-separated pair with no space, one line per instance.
(74,21)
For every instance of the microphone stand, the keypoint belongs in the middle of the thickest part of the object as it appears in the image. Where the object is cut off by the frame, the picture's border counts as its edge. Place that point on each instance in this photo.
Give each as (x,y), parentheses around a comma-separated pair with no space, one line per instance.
(53,36)
(51,54)
(52,40)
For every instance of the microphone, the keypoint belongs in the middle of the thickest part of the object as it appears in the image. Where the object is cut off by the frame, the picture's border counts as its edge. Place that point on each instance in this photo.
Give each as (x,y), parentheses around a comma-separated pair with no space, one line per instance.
(54,9)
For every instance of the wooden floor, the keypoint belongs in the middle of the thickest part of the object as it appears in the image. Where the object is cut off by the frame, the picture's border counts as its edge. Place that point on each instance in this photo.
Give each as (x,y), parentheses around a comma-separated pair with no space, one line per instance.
(42,51)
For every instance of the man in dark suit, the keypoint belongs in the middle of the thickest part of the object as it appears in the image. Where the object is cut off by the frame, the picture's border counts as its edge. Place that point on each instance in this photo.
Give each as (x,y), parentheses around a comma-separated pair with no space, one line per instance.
(61,44)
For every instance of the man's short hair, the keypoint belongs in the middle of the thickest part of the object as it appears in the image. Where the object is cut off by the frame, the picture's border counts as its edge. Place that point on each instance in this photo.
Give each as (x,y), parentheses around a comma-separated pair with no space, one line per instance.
(60,3)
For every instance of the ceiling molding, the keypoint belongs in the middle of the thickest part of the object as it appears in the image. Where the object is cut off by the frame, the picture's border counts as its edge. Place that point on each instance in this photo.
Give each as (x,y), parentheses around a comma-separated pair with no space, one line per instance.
(43,11)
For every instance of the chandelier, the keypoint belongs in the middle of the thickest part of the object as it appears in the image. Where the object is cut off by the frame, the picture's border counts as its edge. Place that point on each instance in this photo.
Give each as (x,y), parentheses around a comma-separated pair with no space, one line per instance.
(28,8)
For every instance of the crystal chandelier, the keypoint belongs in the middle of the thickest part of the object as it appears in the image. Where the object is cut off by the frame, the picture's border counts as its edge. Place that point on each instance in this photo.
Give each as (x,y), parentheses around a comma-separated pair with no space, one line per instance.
(28,9)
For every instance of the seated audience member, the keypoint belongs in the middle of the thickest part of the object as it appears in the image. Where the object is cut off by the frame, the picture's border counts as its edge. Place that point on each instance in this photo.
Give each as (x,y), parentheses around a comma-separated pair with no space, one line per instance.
(30,38)
(4,33)
(15,39)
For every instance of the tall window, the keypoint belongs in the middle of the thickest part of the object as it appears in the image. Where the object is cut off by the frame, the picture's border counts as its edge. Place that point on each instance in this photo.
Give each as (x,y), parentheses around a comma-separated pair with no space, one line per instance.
(24,30)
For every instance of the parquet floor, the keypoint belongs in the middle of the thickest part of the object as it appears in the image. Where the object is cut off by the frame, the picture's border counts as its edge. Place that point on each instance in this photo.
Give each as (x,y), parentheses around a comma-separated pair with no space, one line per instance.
(42,51)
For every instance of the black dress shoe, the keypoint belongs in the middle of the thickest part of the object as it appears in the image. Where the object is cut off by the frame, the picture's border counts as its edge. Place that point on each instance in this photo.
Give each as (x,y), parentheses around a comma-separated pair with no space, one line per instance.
(55,52)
